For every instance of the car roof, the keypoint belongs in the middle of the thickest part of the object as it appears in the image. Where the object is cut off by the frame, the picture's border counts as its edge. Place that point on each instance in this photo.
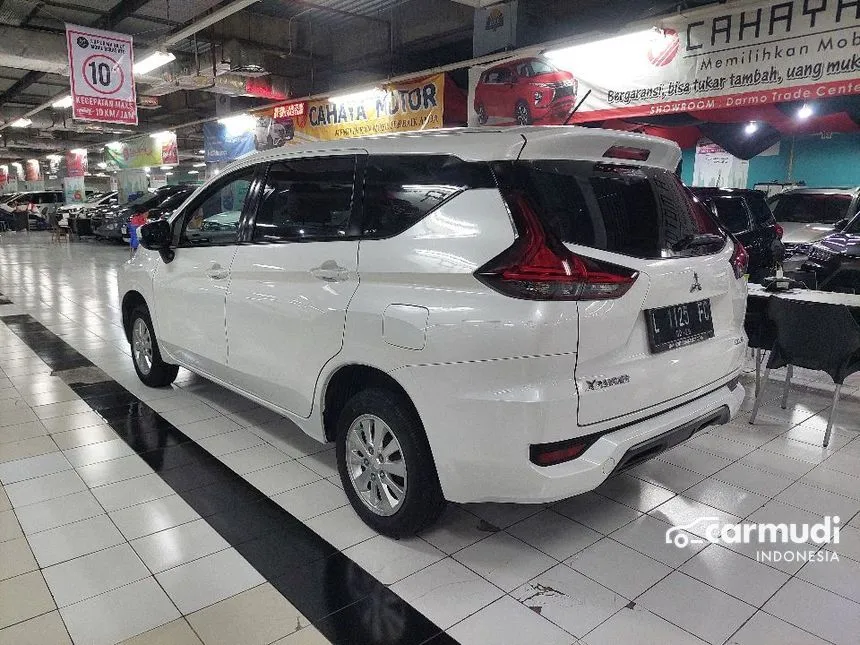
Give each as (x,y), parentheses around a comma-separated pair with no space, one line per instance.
(819,191)
(488,144)
(725,192)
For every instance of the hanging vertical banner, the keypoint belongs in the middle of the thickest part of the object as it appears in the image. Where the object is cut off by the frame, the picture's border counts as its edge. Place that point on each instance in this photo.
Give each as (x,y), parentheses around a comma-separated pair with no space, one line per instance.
(4,177)
(32,170)
(142,151)
(76,162)
(101,69)
(73,190)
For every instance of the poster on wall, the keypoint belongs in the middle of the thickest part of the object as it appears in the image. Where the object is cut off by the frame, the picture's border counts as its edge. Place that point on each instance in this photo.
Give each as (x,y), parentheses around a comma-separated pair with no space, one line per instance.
(729,55)
(102,76)
(225,142)
(399,107)
(713,166)
(73,190)
(142,152)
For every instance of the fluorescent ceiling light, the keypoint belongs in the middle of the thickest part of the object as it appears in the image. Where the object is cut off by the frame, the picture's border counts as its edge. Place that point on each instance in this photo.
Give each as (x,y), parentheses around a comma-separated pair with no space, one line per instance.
(238,124)
(153,61)
(23,122)
(199,165)
(146,169)
(166,167)
(78,151)
(167,174)
(64,102)
(201,152)
(114,145)
(803,113)
(53,157)
(161,135)
(751,128)
(356,97)
(193,172)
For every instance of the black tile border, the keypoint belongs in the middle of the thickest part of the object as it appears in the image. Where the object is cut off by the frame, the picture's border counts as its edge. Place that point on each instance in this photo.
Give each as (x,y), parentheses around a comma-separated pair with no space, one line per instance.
(342,600)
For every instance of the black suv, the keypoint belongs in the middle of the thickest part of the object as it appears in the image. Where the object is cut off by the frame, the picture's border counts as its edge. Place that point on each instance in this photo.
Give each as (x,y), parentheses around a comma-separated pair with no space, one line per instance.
(835,260)
(747,216)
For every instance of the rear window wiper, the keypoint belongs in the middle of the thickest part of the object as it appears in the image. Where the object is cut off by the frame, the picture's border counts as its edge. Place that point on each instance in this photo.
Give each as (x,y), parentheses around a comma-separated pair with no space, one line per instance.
(699,239)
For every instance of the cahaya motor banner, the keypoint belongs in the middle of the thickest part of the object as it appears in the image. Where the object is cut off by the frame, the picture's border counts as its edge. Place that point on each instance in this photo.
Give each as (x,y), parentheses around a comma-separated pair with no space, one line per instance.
(734,54)
(101,70)
(142,152)
(399,107)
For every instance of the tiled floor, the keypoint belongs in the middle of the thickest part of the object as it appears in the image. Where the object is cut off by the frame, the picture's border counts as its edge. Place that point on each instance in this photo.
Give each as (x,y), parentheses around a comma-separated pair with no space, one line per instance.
(190,515)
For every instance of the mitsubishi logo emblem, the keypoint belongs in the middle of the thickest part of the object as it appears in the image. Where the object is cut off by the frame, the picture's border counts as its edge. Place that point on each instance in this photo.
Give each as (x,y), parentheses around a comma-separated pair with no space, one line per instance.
(696,286)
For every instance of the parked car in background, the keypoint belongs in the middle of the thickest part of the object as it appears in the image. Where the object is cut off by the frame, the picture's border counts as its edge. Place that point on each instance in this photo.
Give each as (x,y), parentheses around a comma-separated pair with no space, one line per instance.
(93,201)
(835,260)
(592,290)
(115,219)
(527,90)
(746,214)
(38,204)
(811,214)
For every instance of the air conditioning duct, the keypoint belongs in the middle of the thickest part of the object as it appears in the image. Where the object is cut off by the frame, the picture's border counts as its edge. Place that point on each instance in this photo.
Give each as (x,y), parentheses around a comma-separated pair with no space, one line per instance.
(241,59)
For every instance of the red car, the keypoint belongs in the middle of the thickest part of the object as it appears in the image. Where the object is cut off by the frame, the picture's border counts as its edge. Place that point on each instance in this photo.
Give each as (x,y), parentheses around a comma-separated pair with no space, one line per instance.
(529,90)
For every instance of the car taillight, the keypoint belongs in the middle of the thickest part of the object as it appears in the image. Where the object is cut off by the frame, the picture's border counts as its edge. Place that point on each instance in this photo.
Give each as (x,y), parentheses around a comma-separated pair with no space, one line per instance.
(740,260)
(550,454)
(537,266)
(628,152)
(778,230)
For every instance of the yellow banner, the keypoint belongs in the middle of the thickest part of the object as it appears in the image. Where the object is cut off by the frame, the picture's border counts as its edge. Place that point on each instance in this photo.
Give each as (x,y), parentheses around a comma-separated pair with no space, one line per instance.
(400,107)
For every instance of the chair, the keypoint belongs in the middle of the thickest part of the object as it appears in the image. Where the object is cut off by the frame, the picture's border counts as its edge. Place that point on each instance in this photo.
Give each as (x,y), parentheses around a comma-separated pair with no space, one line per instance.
(816,336)
(57,231)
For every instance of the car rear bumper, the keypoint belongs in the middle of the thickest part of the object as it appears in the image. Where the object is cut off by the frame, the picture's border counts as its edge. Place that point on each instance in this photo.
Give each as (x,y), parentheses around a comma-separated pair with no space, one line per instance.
(480,438)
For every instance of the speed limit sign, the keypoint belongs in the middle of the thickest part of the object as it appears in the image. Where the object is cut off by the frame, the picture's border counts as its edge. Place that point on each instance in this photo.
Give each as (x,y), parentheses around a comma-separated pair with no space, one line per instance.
(101,70)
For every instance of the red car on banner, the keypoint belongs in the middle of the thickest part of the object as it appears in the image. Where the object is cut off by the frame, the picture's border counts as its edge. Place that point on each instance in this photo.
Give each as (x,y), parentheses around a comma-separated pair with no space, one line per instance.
(527,90)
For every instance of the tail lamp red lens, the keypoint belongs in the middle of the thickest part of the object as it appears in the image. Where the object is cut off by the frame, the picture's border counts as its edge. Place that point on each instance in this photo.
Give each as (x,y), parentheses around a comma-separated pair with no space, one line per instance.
(778,230)
(740,260)
(550,454)
(539,267)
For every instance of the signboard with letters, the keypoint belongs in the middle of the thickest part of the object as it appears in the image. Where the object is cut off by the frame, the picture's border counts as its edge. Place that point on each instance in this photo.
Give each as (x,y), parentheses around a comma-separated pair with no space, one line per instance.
(743,53)
(101,69)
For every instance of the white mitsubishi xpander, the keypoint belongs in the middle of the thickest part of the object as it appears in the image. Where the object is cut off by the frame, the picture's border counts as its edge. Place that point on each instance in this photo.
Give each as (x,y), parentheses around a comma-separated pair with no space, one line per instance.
(508,315)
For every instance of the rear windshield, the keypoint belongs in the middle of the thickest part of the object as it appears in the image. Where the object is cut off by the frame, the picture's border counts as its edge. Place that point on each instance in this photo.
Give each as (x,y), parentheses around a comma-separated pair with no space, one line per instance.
(637,211)
(732,213)
(808,208)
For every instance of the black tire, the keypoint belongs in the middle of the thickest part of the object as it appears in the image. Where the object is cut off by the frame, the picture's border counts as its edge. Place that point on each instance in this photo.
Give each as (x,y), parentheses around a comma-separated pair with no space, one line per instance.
(423,501)
(160,373)
(482,114)
(522,114)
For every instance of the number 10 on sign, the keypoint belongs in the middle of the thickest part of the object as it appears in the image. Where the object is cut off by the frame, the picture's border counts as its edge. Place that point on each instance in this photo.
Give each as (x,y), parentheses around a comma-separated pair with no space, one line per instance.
(101,65)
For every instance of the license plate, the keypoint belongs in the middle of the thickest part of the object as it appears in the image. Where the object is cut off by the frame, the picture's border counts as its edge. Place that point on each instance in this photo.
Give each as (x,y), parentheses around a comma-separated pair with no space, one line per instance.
(125,230)
(679,325)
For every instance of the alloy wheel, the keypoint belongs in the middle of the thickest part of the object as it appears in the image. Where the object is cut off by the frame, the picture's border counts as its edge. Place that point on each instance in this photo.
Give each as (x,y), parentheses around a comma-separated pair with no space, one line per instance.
(376,465)
(141,346)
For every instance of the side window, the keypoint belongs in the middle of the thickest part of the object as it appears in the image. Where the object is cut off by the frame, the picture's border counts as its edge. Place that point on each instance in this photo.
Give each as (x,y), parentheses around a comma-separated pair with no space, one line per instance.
(213,219)
(399,190)
(306,200)
(732,212)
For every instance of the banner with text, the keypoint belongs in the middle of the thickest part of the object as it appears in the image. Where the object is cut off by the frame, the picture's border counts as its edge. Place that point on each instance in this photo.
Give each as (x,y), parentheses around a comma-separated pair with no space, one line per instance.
(399,107)
(223,143)
(734,54)
(142,152)
(713,166)
(101,69)
(73,190)
(76,162)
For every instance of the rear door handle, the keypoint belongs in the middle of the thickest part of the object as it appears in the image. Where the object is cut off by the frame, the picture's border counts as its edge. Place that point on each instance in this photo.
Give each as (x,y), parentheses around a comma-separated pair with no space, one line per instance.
(330,271)
(217,272)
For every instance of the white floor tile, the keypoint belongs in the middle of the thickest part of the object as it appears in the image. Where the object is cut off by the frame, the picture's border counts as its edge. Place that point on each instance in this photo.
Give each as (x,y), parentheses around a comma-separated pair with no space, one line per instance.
(833,481)
(190,413)
(391,560)
(777,464)
(841,577)
(98,452)
(323,463)
(597,512)
(341,528)
(312,499)
(554,534)
(666,475)
(504,560)
(221,444)
(816,610)
(132,491)
(455,530)
(692,605)
(704,463)
(507,622)
(752,479)
(570,600)
(72,422)
(618,567)
(93,574)
(21,469)
(726,497)
(119,614)
(256,458)
(40,489)
(74,540)
(681,510)
(764,629)
(153,516)
(648,536)
(203,582)
(59,511)
(735,574)
(501,516)
(84,436)
(178,545)
(819,501)
(281,477)
(642,627)
(446,592)
(113,471)
(633,492)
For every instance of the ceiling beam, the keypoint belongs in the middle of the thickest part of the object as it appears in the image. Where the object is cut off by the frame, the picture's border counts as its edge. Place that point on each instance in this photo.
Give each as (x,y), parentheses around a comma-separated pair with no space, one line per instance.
(101,12)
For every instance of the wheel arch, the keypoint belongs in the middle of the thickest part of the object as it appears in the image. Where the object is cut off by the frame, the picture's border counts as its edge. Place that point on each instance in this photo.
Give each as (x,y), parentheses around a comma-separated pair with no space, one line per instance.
(130,301)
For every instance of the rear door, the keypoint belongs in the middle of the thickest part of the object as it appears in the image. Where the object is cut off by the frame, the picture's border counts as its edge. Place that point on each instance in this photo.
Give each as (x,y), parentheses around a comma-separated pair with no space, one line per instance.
(678,331)
(291,284)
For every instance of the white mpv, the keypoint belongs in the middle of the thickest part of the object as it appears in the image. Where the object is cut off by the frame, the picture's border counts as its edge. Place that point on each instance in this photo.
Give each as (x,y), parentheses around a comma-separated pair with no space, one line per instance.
(495,315)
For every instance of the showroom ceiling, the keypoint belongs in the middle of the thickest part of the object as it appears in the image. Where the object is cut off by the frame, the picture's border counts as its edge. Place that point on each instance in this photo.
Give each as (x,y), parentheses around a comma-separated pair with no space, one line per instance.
(293,47)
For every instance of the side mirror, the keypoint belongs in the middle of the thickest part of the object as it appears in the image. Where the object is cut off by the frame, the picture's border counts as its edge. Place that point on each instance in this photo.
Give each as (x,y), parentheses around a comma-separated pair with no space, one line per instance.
(157,235)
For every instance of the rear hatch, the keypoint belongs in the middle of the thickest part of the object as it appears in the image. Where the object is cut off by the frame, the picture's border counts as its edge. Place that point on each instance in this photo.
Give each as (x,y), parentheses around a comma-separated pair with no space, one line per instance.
(676,328)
